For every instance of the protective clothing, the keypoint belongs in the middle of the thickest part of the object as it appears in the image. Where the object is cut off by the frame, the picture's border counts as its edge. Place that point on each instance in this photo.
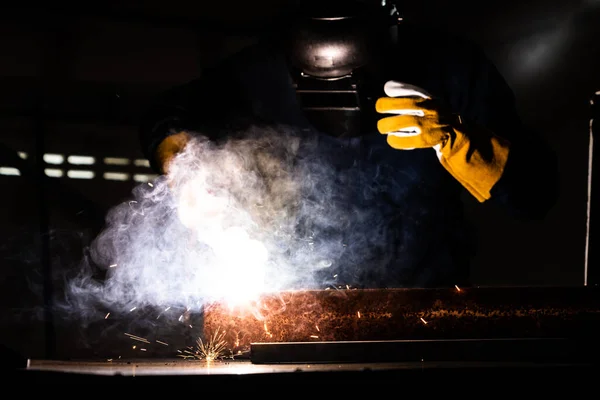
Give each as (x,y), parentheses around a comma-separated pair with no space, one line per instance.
(415,205)
(419,122)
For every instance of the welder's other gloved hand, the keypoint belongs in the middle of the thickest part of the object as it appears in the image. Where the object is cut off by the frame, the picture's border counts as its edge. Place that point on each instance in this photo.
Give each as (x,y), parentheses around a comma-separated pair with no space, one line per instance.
(474,156)
(169,148)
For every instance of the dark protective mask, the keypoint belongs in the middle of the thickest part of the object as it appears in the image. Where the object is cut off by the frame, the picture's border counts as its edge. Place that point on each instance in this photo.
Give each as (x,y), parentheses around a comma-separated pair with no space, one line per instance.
(336,58)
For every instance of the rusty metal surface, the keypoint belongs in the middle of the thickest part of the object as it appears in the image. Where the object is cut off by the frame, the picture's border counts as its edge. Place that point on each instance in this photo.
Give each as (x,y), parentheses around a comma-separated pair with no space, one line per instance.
(397,314)
(333,318)
(340,315)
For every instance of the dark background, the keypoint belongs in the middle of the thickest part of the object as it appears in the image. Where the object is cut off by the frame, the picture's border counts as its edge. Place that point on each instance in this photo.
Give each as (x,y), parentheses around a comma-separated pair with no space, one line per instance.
(73,81)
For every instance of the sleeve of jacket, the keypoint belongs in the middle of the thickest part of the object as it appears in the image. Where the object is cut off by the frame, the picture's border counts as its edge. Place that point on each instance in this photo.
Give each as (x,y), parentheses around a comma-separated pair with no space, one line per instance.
(207,106)
(529,185)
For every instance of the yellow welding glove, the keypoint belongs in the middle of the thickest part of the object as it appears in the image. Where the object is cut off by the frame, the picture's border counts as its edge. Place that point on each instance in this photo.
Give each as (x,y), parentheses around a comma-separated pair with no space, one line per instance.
(169,148)
(473,155)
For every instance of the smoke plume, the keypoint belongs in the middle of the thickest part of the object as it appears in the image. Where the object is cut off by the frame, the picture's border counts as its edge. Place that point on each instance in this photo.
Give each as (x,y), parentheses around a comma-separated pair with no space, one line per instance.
(266,211)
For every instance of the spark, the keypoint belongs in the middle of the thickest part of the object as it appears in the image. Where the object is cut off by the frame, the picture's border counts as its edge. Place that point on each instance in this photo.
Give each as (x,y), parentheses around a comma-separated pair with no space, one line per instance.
(132,309)
(358,313)
(314,336)
(163,343)
(317,326)
(457,288)
(425,322)
(138,338)
(213,349)
(167,309)
(106,316)
(133,347)
(150,184)
(190,326)
(109,360)
(142,349)
(112,265)
(348,287)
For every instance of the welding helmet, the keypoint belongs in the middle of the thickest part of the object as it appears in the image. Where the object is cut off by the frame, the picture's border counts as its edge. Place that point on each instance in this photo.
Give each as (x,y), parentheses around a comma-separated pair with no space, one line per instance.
(335,51)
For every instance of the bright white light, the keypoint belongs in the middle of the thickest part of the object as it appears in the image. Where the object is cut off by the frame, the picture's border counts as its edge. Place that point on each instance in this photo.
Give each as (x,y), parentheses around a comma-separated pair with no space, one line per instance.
(51,158)
(53,172)
(9,171)
(211,230)
(81,160)
(237,272)
(197,207)
(116,161)
(116,176)
(79,174)
(22,154)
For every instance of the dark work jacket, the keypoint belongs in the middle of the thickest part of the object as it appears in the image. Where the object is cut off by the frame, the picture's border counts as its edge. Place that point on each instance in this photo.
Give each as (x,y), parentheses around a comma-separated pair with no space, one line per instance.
(419,236)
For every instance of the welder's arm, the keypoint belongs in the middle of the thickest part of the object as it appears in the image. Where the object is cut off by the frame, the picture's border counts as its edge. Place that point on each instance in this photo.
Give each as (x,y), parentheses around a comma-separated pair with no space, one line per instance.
(204,106)
(473,155)
(529,185)
(167,123)
(169,147)
(489,151)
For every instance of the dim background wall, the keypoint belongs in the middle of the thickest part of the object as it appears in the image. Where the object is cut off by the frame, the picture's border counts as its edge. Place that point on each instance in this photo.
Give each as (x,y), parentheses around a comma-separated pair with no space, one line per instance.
(74,81)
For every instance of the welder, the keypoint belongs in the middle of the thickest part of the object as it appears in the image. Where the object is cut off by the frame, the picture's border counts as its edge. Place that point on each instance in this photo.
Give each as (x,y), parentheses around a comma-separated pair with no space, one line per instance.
(425,109)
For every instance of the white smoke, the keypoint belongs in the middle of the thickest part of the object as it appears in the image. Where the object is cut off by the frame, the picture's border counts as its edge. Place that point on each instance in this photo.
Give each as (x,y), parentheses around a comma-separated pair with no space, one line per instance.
(229,222)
